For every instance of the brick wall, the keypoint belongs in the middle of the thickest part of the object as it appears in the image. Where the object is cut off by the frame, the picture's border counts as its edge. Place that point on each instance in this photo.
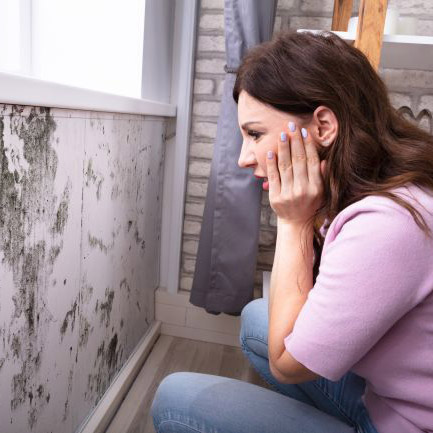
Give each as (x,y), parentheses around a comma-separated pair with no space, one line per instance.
(411,88)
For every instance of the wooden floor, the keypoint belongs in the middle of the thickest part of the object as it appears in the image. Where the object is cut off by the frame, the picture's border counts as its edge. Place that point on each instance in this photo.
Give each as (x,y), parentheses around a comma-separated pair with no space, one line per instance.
(169,355)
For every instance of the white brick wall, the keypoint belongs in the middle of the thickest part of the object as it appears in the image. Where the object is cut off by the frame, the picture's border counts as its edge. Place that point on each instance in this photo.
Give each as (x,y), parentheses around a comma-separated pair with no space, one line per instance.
(411,88)
(203,87)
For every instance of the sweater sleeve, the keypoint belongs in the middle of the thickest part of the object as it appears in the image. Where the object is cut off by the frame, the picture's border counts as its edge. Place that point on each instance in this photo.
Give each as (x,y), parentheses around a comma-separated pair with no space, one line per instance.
(372,264)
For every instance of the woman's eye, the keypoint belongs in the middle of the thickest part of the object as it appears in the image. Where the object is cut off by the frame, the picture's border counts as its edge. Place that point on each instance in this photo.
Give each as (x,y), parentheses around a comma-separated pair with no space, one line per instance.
(254,134)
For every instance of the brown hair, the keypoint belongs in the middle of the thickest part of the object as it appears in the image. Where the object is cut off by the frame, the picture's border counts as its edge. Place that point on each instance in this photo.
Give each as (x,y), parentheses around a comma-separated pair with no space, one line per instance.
(376,148)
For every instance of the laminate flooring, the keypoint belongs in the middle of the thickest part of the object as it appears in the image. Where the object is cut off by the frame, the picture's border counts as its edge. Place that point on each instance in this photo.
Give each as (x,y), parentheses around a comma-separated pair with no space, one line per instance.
(169,355)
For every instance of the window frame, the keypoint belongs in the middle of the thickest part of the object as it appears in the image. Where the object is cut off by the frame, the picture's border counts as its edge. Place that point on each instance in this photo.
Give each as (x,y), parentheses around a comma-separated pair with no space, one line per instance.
(177,148)
(21,89)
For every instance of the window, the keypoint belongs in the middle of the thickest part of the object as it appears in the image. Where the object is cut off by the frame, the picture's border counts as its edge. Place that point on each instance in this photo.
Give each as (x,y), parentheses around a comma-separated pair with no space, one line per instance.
(94,44)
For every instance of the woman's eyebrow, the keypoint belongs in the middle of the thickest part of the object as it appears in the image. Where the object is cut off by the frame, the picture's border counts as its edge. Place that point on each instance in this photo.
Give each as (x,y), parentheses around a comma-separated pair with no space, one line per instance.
(246,124)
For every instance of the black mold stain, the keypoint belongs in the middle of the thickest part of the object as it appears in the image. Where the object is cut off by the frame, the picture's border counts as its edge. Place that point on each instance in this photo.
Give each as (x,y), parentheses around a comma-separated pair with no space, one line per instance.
(16,346)
(111,352)
(106,307)
(54,253)
(95,178)
(30,275)
(23,204)
(86,293)
(84,332)
(124,285)
(139,240)
(70,315)
(62,211)
(115,192)
(97,243)
(41,399)
(66,406)
(107,362)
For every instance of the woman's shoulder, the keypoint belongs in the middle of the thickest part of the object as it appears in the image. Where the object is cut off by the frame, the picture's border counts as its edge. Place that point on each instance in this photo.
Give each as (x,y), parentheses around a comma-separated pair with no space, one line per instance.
(379,212)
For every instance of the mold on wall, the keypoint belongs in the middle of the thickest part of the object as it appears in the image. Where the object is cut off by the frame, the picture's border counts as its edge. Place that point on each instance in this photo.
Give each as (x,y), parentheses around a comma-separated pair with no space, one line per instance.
(79,257)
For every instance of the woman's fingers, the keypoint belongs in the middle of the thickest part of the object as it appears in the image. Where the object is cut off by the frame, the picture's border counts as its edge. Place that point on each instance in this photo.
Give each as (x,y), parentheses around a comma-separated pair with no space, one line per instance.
(273,175)
(285,162)
(313,162)
(299,181)
(296,169)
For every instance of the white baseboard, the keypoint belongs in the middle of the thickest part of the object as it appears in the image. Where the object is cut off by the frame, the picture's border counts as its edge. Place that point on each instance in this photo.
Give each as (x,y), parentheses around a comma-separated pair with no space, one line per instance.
(180,318)
(99,419)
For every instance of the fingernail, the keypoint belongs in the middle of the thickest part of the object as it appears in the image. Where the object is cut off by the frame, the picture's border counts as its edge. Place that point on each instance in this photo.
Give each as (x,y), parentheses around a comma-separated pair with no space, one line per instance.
(304,132)
(283,136)
(292,126)
(270,154)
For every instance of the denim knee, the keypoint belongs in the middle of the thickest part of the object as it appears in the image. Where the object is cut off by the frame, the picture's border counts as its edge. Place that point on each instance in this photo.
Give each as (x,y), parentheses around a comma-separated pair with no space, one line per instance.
(254,327)
(167,395)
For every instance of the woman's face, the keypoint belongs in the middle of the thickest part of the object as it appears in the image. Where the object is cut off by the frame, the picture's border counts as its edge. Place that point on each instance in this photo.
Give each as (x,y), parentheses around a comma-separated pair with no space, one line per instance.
(261,126)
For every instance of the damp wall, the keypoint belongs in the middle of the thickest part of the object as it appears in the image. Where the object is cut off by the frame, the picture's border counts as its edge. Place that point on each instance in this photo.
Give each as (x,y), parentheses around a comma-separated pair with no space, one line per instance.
(80,217)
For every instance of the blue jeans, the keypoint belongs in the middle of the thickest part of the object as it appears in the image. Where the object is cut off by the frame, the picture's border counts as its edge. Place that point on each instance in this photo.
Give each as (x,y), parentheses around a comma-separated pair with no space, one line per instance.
(194,402)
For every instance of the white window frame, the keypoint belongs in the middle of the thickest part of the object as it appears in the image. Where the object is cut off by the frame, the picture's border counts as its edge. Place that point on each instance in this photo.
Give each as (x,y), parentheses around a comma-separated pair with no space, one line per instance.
(25,90)
(176,156)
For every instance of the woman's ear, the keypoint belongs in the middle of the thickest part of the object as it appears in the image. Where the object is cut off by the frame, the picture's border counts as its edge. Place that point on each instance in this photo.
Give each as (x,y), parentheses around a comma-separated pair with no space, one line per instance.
(325,125)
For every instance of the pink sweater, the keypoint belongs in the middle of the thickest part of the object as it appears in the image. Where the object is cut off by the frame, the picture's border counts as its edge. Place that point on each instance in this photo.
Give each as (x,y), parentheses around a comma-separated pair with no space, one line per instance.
(371,310)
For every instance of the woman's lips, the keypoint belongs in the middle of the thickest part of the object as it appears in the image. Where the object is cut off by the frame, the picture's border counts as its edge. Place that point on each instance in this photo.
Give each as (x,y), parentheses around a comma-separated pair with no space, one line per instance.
(265,184)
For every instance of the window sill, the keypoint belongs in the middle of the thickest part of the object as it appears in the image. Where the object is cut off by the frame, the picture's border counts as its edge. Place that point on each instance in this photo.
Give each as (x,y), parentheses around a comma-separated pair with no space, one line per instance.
(21,90)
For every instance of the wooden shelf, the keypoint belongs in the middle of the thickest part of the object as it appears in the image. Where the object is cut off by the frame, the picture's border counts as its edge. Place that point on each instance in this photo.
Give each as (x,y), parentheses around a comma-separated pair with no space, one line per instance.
(399,51)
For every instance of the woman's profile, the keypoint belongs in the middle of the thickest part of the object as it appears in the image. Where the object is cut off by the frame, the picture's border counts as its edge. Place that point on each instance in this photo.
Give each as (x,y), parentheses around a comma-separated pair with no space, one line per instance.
(346,337)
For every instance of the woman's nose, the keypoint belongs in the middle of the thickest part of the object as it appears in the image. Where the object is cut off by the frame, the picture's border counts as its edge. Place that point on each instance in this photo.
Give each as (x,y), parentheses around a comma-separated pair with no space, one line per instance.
(246,158)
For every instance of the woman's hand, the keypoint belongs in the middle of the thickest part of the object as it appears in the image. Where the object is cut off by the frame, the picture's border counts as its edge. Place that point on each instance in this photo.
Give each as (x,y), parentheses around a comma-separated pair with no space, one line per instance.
(295,180)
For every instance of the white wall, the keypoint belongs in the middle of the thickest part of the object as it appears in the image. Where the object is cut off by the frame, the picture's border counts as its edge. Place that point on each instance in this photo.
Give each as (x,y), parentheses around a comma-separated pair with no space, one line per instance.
(80,213)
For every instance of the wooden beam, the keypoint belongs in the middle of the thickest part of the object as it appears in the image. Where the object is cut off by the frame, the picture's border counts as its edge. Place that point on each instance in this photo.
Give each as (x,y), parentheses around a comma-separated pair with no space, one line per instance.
(341,16)
(372,14)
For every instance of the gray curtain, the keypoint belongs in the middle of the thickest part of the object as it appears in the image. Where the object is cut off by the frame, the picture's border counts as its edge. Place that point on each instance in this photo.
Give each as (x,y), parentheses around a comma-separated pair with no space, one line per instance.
(227,251)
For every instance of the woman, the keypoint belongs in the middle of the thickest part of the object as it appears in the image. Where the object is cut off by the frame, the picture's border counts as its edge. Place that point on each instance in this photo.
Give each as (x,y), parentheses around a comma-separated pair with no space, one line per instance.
(354,352)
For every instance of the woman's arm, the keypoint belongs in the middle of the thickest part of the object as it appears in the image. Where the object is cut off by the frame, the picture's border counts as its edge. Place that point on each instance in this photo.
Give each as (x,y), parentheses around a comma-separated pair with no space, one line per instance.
(291,281)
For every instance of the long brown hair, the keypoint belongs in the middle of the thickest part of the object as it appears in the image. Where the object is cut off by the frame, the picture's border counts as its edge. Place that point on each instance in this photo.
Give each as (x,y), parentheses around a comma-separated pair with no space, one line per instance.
(376,148)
